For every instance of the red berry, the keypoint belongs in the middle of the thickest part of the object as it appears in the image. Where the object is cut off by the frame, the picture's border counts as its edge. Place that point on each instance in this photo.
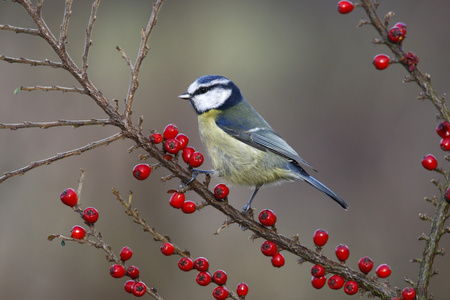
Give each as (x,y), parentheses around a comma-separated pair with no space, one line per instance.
(277,260)
(402,26)
(185,264)
(429,162)
(408,293)
(156,138)
(172,146)
(201,264)
(167,249)
(126,253)
(220,277)
(445,144)
(447,195)
(78,232)
(351,287)
(189,207)
(242,289)
(90,215)
(170,132)
(344,7)
(183,139)
(187,152)
(269,248)
(129,286)
(177,200)
(336,282)
(141,171)
(317,271)
(267,217)
(117,271)
(139,289)
(381,61)
(342,252)
(203,278)
(383,271)
(220,293)
(320,237)
(196,159)
(365,264)
(396,35)
(443,129)
(69,197)
(133,272)
(221,191)
(318,282)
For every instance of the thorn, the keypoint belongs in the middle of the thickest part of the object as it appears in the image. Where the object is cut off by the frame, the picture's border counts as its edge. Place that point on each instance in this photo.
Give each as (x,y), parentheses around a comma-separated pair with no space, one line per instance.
(141,120)
(408,79)
(387,17)
(423,237)
(416,260)
(296,239)
(424,217)
(440,251)
(363,22)
(300,260)
(377,41)
(428,76)
(421,96)
(435,272)
(410,281)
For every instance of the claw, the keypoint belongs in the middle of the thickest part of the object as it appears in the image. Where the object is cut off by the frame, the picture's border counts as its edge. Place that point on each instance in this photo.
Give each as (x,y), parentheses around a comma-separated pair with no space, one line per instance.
(196,172)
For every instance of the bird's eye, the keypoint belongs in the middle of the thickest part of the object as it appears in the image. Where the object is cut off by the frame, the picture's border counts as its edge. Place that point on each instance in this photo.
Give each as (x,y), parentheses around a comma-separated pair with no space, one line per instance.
(202,90)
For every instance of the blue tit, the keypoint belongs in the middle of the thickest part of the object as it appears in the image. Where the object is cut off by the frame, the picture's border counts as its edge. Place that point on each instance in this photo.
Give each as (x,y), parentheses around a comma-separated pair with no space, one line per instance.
(244,149)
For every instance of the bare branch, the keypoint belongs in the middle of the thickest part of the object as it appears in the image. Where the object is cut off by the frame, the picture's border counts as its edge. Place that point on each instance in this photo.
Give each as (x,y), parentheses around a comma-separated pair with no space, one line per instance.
(65,23)
(88,42)
(60,156)
(125,57)
(45,125)
(142,53)
(22,60)
(52,88)
(15,29)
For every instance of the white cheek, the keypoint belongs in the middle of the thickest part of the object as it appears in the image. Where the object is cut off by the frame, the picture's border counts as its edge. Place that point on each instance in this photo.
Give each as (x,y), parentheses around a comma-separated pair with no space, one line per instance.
(212,99)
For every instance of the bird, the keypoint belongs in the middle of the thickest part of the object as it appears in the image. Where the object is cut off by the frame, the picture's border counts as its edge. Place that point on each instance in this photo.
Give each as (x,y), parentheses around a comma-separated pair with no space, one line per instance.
(243,147)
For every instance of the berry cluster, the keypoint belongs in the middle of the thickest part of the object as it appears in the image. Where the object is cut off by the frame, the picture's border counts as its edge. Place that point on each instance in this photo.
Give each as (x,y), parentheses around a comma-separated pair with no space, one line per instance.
(90,215)
(204,277)
(429,161)
(342,252)
(268,218)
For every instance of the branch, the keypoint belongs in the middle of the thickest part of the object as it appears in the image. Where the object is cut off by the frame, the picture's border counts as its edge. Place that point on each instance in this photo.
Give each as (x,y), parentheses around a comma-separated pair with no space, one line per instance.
(20,29)
(142,53)
(45,125)
(442,207)
(65,23)
(88,42)
(31,62)
(60,156)
(51,88)
(422,80)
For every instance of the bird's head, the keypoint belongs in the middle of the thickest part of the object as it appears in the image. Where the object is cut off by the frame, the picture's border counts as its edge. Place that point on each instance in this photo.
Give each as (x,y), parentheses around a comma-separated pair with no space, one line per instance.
(212,92)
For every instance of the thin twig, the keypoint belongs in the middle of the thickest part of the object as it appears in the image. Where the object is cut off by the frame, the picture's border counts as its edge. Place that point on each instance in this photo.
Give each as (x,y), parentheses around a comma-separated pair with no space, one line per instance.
(15,29)
(88,41)
(52,88)
(125,57)
(143,50)
(22,60)
(60,156)
(45,125)
(65,23)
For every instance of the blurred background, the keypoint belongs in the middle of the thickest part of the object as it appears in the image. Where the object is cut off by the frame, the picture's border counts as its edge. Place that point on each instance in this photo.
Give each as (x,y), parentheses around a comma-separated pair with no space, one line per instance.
(308,71)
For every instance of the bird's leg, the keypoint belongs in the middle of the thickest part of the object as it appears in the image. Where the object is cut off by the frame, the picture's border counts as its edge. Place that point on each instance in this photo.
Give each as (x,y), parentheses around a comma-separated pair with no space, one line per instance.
(246,207)
(195,173)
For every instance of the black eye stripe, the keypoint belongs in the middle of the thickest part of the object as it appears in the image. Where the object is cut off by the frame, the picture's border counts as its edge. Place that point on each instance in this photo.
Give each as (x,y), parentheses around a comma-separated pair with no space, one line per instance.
(203,90)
